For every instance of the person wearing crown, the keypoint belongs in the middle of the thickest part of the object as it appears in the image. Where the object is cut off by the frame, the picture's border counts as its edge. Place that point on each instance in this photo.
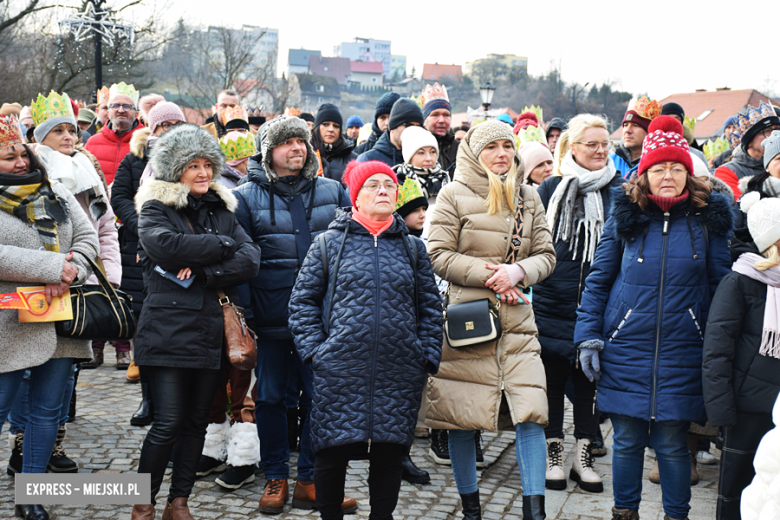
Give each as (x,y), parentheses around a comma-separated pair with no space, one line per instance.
(215,125)
(437,113)
(753,126)
(46,239)
(238,146)
(112,143)
(635,122)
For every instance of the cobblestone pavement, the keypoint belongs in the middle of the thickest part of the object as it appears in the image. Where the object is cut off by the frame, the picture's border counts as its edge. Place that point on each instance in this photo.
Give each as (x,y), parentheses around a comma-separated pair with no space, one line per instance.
(101,440)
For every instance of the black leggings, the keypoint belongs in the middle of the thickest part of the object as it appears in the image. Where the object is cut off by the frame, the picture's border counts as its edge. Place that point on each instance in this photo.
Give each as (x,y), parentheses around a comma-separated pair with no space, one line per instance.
(558,369)
(384,477)
(182,400)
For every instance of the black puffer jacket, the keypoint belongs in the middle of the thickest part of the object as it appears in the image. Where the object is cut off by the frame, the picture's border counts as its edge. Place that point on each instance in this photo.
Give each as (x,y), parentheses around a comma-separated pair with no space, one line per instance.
(735,376)
(183,327)
(123,192)
(267,212)
(335,160)
(383,151)
(370,369)
(557,297)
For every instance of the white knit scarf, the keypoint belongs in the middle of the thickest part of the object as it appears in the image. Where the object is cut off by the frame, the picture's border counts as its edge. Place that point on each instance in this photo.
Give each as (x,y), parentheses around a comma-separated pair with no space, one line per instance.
(76,173)
(576,204)
(770,336)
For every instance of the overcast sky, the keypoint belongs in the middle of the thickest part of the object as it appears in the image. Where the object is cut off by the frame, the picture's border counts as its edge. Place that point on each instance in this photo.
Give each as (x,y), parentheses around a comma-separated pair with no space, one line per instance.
(658,47)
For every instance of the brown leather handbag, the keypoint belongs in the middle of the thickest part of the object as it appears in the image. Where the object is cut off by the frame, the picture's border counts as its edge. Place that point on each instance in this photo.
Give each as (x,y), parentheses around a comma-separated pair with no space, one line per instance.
(240,340)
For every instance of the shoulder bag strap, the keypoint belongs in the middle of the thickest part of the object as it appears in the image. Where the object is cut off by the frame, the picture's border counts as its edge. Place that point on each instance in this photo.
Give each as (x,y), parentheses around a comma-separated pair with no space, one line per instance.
(332,282)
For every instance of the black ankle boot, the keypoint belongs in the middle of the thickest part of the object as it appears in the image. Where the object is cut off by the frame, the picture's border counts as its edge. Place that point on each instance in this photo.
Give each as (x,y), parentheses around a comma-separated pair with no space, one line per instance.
(412,474)
(533,507)
(471,507)
(31,512)
(15,463)
(145,413)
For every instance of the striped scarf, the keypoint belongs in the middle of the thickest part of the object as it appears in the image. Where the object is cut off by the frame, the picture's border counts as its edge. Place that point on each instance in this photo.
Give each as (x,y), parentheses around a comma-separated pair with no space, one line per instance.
(38,204)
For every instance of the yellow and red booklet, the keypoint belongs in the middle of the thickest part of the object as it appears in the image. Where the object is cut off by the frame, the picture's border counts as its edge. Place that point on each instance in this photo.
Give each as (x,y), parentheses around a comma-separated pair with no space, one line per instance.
(38,310)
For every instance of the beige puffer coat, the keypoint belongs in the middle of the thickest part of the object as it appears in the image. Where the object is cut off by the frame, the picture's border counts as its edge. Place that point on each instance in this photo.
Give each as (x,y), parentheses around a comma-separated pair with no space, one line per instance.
(489,386)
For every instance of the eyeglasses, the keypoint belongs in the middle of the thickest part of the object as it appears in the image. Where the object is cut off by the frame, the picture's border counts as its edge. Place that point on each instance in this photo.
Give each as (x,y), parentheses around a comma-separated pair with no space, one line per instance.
(677,172)
(595,146)
(167,126)
(767,132)
(117,106)
(374,186)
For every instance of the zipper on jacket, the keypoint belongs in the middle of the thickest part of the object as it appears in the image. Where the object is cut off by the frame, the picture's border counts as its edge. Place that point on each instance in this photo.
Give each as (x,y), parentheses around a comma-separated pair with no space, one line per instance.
(376,341)
(658,316)
(695,322)
(620,325)
(579,289)
(375,243)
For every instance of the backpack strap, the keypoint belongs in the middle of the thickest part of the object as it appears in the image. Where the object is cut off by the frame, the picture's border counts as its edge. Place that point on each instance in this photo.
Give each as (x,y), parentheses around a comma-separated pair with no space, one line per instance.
(332,283)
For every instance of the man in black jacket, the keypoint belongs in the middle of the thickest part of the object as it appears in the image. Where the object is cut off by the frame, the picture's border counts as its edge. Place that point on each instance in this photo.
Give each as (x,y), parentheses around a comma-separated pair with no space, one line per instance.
(283,206)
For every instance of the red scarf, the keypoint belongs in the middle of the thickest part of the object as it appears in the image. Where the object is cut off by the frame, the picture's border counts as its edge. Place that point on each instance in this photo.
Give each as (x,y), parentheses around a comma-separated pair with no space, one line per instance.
(667,203)
(375,227)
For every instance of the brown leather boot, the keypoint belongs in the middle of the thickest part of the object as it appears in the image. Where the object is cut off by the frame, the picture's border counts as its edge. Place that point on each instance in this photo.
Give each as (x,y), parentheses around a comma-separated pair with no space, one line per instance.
(123,360)
(96,361)
(624,514)
(177,510)
(275,496)
(142,512)
(304,497)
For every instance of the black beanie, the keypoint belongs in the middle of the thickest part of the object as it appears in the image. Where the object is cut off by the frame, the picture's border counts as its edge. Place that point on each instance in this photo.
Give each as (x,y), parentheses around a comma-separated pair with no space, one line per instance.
(306,117)
(385,103)
(673,109)
(329,112)
(406,209)
(405,111)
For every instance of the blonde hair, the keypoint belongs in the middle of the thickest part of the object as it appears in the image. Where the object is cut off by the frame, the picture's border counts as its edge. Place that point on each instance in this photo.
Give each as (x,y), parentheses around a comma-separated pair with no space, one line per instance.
(500,190)
(772,256)
(577,126)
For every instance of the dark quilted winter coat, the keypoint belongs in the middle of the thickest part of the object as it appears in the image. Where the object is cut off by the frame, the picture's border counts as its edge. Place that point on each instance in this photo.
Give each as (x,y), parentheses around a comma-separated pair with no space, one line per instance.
(370,368)
(646,300)
(265,211)
(556,297)
(736,377)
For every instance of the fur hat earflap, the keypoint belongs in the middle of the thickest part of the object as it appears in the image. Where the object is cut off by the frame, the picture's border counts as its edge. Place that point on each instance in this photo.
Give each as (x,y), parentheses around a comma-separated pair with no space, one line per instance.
(181,145)
(278,130)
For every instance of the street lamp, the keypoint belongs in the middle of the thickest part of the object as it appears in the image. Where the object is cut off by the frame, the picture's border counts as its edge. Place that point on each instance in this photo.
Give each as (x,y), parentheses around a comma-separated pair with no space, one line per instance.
(486,92)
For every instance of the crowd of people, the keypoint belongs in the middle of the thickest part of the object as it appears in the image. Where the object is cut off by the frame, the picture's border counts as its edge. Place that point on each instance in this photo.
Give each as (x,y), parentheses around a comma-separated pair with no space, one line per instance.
(403,278)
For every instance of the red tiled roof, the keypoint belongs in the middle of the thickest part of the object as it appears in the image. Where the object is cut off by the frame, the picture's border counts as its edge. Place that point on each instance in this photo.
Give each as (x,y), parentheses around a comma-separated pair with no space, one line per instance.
(435,72)
(338,68)
(369,67)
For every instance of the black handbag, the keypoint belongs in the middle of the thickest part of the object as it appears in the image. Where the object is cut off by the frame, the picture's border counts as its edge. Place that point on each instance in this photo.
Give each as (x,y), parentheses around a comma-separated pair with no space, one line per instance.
(100,312)
(471,323)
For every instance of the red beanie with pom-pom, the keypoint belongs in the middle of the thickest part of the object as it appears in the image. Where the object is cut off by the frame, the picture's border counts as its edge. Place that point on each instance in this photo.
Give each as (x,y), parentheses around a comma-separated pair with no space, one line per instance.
(75,107)
(356,174)
(525,120)
(665,143)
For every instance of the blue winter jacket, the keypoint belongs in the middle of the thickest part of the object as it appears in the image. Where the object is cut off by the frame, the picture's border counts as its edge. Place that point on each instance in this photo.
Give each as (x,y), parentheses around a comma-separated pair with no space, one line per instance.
(646,300)
(623,163)
(383,151)
(370,367)
(268,212)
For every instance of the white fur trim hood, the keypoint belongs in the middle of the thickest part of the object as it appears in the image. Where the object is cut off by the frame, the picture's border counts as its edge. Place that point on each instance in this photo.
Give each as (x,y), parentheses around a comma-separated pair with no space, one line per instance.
(174,194)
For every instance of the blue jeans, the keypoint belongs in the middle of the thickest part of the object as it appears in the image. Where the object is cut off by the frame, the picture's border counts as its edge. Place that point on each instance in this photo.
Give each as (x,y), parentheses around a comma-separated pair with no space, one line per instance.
(20,412)
(669,439)
(276,358)
(47,384)
(530,450)
(297,395)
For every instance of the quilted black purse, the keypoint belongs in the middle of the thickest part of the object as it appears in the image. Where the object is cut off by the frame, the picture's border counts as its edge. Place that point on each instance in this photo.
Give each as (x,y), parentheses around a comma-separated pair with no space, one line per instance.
(471,323)
(100,312)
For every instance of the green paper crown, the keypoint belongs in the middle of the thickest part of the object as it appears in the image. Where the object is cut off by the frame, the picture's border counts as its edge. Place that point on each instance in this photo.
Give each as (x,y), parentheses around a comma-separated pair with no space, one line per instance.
(54,105)
(536,110)
(529,134)
(689,122)
(407,192)
(713,149)
(238,147)
(123,89)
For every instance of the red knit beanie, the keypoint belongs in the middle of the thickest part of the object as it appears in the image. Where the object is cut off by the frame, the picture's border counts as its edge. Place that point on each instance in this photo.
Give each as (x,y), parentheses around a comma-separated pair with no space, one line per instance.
(356,174)
(525,120)
(665,143)
(634,117)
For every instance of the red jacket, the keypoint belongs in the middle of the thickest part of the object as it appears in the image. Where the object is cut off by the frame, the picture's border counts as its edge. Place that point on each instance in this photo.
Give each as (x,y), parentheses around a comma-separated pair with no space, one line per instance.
(110,149)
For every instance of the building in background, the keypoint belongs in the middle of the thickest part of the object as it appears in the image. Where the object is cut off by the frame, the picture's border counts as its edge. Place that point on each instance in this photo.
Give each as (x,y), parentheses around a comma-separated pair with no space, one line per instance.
(298,61)
(366,74)
(437,72)
(397,67)
(367,49)
(309,91)
(505,62)
(266,47)
(336,68)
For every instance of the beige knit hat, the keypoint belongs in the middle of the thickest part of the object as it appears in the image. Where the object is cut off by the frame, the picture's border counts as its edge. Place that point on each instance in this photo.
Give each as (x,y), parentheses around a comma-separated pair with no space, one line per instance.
(485,133)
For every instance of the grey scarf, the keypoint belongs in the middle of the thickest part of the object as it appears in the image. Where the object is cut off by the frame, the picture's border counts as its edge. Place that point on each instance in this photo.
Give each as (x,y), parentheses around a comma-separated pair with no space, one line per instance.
(770,337)
(576,204)
(772,186)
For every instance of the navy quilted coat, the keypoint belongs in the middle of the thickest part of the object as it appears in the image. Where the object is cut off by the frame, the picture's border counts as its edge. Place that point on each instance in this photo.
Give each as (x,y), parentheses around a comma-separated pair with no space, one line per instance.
(265,211)
(647,298)
(370,369)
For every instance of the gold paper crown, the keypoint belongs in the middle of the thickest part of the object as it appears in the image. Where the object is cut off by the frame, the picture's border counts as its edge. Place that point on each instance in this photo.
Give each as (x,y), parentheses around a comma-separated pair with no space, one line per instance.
(10,131)
(689,122)
(123,89)
(236,146)
(536,110)
(713,149)
(431,92)
(236,112)
(292,111)
(530,134)
(54,105)
(102,95)
(644,107)
(407,192)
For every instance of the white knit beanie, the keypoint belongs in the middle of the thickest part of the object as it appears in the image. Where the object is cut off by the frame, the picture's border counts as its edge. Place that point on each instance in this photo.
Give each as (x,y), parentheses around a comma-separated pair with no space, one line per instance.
(763,219)
(414,138)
